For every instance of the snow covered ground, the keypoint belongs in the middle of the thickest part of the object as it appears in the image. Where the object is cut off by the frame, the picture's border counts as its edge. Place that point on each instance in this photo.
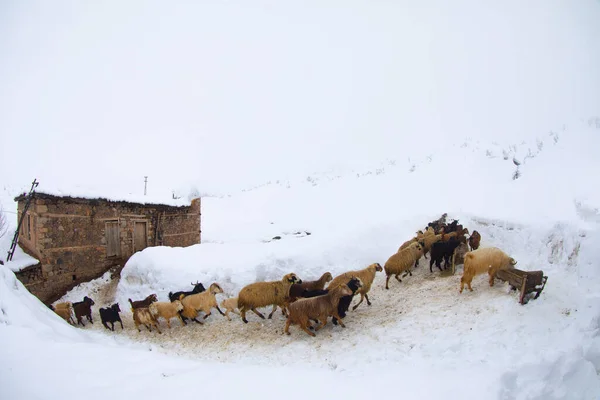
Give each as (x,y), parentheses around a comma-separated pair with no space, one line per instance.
(420,339)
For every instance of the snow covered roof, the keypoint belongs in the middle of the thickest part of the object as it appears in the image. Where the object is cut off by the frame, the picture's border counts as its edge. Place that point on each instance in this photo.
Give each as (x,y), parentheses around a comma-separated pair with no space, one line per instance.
(131,199)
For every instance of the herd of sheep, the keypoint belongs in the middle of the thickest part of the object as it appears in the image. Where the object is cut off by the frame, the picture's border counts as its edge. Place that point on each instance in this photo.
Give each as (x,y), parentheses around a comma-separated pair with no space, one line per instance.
(305,302)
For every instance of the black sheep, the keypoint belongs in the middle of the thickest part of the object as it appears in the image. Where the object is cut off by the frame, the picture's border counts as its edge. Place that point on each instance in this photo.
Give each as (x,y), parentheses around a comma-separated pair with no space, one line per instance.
(111,314)
(442,250)
(198,288)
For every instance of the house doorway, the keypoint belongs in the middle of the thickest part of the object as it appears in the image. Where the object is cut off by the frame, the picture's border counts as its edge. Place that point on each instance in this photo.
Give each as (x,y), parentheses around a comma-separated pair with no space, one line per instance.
(140,236)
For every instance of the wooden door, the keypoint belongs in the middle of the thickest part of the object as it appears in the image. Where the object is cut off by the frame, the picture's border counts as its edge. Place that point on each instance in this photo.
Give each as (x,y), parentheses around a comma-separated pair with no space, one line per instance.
(140,238)
(113,242)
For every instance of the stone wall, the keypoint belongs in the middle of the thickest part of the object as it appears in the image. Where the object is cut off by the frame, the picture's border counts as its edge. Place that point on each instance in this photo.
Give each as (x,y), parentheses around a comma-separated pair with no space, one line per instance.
(68,236)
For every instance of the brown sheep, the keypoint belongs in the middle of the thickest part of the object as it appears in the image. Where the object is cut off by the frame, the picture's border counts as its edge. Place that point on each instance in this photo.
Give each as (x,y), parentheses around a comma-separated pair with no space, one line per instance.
(166,310)
(297,289)
(428,241)
(204,301)
(262,294)
(418,238)
(480,261)
(143,316)
(230,305)
(474,240)
(318,308)
(143,303)
(366,275)
(65,311)
(402,262)
(318,284)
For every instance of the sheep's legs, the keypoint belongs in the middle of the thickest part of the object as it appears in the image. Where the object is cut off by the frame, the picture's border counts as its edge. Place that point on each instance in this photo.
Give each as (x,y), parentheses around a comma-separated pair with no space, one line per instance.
(337,317)
(243,314)
(273,311)
(362,296)
(322,324)
(287,326)
(397,276)
(387,280)
(227,315)
(367,297)
(462,284)
(219,310)
(121,323)
(305,329)
(206,316)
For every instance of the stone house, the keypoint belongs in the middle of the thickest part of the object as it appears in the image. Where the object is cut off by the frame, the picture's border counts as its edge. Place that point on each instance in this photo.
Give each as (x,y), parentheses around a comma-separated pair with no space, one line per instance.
(79,239)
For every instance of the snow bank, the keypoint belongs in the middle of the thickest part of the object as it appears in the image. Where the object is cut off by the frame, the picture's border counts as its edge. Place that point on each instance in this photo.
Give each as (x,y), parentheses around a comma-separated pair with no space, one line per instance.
(44,357)
(421,325)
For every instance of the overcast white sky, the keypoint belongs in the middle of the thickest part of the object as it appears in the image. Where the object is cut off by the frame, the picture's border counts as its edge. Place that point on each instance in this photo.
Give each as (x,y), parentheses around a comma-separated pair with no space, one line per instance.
(232,93)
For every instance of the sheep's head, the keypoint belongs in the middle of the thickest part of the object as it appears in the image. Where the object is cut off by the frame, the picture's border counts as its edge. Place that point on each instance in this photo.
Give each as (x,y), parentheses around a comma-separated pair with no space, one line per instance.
(328,277)
(115,307)
(291,278)
(152,298)
(178,305)
(215,288)
(355,282)
(513,261)
(377,267)
(89,301)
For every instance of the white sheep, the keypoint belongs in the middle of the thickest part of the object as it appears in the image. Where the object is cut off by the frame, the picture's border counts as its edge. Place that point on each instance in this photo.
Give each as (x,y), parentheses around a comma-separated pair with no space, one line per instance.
(482,260)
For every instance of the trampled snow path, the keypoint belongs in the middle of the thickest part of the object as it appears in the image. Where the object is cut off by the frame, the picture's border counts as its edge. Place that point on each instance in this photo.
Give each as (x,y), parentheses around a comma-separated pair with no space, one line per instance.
(423,319)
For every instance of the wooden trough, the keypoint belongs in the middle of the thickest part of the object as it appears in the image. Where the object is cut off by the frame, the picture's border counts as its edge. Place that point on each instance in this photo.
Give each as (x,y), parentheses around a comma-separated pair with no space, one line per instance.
(526,281)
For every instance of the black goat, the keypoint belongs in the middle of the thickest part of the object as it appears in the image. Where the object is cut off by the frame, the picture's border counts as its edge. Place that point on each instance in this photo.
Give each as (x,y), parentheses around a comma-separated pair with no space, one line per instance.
(198,288)
(111,314)
(83,309)
(442,250)
(344,304)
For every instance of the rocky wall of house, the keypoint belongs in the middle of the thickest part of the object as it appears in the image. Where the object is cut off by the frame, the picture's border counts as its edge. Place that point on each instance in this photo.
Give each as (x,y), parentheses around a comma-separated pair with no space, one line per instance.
(182,229)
